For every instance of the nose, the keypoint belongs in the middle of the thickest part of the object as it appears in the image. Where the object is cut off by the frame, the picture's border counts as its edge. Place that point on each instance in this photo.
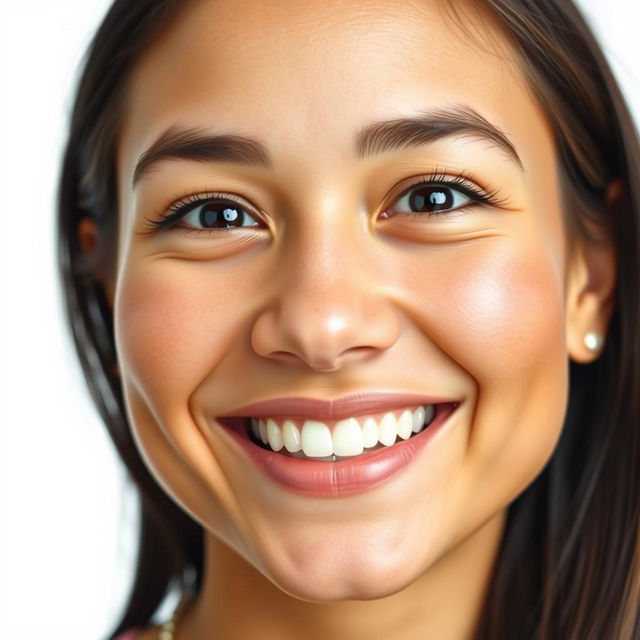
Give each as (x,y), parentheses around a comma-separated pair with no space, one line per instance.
(328,309)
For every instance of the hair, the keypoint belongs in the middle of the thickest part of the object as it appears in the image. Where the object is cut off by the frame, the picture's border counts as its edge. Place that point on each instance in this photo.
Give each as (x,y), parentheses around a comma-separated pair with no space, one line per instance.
(569,561)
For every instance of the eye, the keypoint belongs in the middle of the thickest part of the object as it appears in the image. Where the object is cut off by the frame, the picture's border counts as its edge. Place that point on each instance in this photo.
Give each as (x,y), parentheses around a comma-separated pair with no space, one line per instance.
(429,199)
(439,193)
(217,214)
(206,211)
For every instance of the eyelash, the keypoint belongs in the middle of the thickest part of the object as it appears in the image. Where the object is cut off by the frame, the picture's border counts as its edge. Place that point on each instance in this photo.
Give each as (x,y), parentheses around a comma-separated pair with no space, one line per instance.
(180,208)
(462,182)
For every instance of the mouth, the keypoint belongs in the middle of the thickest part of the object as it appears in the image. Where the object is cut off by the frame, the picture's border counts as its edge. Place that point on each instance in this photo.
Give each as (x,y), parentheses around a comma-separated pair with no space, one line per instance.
(335,440)
(336,448)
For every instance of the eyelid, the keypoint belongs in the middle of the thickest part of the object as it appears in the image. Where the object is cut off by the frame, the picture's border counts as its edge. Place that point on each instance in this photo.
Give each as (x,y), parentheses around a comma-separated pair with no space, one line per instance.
(460,181)
(177,209)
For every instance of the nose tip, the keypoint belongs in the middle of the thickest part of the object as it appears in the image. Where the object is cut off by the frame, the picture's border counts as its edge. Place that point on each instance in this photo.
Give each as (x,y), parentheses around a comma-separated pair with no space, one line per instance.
(325,355)
(324,340)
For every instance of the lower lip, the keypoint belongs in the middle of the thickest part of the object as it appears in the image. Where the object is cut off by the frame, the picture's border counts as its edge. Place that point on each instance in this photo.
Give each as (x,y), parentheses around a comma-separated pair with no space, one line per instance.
(343,477)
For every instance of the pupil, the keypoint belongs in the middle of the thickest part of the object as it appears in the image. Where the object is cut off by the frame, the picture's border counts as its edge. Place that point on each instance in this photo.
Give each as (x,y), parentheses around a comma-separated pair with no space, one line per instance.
(219,215)
(431,198)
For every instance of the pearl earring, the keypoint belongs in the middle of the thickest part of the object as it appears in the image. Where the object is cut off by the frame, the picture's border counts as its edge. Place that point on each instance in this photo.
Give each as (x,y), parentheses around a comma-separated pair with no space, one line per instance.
(593,341)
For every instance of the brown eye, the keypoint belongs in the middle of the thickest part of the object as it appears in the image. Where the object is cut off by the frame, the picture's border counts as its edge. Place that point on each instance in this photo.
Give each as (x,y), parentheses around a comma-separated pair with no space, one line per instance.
(429,199)
(218,214)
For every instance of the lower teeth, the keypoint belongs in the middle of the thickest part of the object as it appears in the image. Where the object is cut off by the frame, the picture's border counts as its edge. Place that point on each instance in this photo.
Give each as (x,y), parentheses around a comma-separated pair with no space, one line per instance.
(332,458)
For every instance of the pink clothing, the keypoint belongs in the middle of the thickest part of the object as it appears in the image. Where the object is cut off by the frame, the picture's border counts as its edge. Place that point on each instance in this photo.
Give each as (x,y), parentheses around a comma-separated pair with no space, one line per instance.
(132,634)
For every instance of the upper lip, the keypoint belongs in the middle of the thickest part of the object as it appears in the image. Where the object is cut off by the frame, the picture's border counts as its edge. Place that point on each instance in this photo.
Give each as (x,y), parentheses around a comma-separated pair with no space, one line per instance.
(306,408)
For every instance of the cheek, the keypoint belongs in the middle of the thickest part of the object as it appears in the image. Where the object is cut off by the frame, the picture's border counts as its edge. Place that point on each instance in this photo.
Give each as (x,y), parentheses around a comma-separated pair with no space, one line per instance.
(516,352)
(173,323)
(495,311)
(511,313)
(498,313)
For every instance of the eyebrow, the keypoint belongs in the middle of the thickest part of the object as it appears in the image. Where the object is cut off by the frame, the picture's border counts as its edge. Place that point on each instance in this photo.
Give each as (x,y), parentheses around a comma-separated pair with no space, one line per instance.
(193,143)
(430,126)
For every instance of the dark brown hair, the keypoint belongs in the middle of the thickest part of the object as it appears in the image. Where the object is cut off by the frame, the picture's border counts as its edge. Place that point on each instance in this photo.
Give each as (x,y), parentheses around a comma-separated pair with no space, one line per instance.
(569,564)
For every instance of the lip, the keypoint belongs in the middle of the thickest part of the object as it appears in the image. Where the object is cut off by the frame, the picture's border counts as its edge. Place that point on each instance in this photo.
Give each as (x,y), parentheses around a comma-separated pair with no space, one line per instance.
(358,404)
(342,478)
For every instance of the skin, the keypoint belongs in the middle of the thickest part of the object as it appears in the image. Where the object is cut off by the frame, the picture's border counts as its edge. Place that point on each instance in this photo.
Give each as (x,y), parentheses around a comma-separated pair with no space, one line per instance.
(328,297)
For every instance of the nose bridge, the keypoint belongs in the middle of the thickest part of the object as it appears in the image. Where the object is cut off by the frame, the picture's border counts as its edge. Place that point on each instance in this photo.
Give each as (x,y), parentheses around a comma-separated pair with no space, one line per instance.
(326,309)
(326,289)
(325,264)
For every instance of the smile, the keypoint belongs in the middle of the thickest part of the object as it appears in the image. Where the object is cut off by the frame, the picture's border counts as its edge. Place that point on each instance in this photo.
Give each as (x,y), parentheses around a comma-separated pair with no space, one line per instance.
(332,441)
(336,448)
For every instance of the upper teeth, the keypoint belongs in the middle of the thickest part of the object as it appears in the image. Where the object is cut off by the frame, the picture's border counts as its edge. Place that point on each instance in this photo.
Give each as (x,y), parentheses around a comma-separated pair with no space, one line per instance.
(349,437)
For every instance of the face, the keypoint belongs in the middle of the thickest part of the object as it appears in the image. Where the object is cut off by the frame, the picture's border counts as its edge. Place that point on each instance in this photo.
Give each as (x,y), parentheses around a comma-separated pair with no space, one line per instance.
(390,237)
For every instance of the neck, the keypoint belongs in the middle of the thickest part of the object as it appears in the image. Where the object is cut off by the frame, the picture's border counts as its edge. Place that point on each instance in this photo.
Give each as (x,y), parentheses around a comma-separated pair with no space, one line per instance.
(445,602)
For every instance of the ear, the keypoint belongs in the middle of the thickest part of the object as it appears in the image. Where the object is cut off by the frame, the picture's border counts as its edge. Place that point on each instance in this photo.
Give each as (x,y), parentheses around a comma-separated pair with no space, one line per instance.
(88,241)
(591,281)
(87,235)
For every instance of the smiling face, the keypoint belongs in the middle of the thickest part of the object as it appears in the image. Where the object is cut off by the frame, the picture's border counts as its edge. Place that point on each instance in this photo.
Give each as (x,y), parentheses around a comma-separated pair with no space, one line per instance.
(346,202)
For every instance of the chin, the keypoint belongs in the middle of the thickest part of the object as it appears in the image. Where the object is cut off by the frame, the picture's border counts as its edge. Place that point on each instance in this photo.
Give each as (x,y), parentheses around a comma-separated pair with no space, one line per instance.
(337,588)
(324,582)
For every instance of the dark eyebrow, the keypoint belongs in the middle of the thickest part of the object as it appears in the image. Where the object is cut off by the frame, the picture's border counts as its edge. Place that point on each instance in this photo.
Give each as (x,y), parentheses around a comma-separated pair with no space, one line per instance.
(192,143)
(430,126)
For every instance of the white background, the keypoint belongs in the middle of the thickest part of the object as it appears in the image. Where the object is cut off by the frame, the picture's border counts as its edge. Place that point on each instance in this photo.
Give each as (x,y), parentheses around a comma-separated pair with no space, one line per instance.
(67,520)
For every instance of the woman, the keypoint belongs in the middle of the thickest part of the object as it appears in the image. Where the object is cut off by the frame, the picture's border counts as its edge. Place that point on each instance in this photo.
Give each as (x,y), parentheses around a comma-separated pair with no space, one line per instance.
(355,285)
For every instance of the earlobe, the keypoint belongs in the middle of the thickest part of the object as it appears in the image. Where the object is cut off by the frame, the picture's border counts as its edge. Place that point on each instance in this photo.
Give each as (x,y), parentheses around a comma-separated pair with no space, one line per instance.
(87,235)
(591,281)
(88,242)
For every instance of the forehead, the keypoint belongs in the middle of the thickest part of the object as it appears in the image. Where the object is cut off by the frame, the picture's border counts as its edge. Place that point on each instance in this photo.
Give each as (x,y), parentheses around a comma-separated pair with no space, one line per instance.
(308,73)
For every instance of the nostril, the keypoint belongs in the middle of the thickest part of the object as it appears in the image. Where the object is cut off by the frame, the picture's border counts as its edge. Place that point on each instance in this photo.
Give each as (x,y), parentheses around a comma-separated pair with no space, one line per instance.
(323,364)
(357,353)
(284,356)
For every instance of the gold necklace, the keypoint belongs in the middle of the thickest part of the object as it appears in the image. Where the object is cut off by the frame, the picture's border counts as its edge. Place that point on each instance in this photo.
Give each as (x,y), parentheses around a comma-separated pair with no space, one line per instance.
(168,628)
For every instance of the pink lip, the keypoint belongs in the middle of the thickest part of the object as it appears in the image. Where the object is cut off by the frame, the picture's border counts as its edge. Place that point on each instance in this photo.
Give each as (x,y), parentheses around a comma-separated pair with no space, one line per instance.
(344,477)
(337,409)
